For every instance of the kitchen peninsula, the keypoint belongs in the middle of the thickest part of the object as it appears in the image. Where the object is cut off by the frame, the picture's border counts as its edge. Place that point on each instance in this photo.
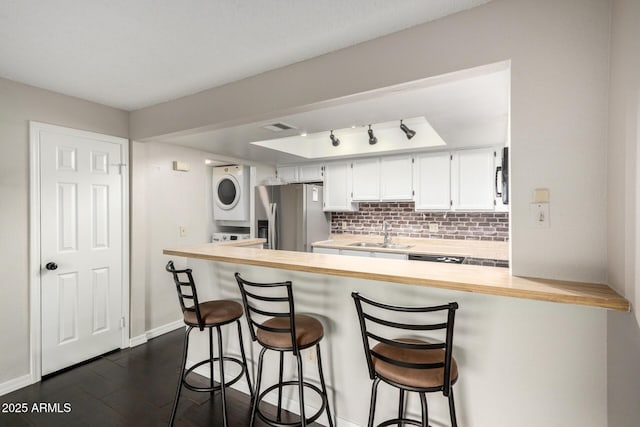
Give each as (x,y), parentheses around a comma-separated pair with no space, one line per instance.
(514,336)
(477,279)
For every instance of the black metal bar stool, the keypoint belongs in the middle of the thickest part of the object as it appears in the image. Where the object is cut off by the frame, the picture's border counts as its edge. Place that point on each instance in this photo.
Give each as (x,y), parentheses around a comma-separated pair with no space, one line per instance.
(408,363)
(273,323)
(209,315)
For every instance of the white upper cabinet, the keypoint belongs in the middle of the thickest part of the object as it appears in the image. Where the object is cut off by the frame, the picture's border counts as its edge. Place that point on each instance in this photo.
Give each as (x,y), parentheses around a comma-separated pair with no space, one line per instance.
(432,181)
(310,173)
(438,181)
(366,179)
(287,173)
(338,187)
(302,173)
(472,179)
(396,178)
(383,178)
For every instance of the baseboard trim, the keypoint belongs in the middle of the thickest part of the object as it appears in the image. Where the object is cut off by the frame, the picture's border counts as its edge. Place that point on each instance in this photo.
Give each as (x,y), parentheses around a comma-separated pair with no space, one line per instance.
(155,332)
(139,340)
(161,330)
(15,384)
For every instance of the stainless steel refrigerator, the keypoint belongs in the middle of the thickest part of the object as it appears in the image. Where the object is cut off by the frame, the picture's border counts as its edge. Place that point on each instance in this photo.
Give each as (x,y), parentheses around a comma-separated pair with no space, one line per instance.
(290,216)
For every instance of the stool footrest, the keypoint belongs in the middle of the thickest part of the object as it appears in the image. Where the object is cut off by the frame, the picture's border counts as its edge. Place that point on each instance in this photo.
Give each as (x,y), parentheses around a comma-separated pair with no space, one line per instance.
(397,421)
(310,419)
(215,388)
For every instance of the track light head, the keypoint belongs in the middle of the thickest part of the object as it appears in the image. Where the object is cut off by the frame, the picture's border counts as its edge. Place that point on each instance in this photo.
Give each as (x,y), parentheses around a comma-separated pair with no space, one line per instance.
(410,133)
(334,141)
(372,139)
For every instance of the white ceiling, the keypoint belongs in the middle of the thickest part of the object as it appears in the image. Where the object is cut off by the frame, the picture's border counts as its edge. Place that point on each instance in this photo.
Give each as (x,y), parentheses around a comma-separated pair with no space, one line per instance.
(131,54)
(468,108)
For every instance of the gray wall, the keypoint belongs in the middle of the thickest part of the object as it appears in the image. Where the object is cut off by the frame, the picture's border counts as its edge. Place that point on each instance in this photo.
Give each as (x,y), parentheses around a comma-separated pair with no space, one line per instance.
(559,62)
(19,104)
(623,227)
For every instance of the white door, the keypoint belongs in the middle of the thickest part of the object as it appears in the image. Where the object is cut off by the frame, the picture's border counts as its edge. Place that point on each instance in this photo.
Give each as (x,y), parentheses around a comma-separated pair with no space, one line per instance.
(81,223)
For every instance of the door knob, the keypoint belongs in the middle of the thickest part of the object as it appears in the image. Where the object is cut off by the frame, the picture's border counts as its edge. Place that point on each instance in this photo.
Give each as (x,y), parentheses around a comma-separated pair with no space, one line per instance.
(51,266)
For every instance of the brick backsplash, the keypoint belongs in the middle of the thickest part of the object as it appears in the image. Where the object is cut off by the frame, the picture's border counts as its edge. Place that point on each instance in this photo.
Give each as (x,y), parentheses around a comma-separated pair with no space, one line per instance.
(405,222)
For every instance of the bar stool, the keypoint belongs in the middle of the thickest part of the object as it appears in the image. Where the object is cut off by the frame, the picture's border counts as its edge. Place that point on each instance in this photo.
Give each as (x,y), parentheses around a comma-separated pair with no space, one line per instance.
(274,325)
(409,364)
(209,315)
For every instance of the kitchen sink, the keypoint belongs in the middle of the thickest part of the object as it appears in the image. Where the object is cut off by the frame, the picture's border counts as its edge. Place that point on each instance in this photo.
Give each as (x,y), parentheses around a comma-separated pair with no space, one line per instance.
(380,245)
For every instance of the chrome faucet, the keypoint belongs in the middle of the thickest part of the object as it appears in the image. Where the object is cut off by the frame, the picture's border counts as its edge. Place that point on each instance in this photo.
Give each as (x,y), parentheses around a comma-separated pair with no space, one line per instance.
(385,231)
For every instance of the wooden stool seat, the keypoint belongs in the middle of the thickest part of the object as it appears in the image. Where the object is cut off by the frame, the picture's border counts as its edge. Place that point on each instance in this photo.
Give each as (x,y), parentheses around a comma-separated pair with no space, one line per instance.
(412,377)
(309,332)
(218,312)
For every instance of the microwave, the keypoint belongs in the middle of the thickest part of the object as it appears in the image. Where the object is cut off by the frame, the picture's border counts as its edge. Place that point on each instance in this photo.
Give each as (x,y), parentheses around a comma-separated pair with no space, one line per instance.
(502,172)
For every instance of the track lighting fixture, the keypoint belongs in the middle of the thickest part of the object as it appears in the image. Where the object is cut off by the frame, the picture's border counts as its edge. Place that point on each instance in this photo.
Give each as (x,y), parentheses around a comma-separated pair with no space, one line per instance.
(334,141)
(372,138)
(410,133)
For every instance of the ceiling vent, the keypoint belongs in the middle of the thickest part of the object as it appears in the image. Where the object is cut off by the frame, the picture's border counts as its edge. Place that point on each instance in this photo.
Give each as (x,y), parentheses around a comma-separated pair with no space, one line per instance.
(278,127)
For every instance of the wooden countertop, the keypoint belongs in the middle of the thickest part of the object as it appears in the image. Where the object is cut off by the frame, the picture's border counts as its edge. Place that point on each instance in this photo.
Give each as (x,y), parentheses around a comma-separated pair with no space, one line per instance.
(459,277)
(465,248)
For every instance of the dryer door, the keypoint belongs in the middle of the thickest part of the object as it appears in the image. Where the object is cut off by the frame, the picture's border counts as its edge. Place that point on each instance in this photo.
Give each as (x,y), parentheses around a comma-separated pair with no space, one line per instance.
(227,192)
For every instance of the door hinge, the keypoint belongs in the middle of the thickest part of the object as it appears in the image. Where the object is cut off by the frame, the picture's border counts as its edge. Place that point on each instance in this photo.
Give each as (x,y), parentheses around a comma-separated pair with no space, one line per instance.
(450,203)
(120,166)
(413,192)
(122,323)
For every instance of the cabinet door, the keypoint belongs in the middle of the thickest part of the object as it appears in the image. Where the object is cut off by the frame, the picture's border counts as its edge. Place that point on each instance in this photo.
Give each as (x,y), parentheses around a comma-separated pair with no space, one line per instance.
(288,173)
(337,187)
(366,179)
(472,177)
(331,251)
(432,181)
(396,178)
(310,173)
(389,255)
(350,252)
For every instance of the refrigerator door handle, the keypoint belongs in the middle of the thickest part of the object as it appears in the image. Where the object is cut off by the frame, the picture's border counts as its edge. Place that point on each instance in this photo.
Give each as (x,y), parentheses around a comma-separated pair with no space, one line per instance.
(272,226)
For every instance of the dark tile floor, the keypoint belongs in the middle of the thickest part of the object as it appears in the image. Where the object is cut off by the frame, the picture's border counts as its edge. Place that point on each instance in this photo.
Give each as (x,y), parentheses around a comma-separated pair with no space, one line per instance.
(132,387)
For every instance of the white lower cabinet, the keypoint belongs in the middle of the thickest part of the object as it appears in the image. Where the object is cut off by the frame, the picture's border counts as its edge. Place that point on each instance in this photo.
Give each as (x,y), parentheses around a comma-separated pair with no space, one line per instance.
(330,251)
(350,252)
(389,255)
(366,254)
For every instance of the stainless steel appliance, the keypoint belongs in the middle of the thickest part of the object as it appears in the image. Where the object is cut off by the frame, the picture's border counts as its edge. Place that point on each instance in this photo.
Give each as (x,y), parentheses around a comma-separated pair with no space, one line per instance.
(503,172)
(223,237)
(437,258)
(290,216)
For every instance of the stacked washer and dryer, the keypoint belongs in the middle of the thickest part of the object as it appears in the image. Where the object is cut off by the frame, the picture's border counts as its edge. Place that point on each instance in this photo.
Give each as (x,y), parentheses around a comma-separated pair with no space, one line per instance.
(231,200)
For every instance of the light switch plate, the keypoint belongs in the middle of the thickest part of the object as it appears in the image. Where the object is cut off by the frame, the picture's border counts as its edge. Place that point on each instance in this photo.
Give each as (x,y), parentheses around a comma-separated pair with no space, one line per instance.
(540,215)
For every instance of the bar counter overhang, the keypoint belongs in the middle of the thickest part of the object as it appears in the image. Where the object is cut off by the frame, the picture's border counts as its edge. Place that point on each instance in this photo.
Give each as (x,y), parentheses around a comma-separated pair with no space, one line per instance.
(531,351)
